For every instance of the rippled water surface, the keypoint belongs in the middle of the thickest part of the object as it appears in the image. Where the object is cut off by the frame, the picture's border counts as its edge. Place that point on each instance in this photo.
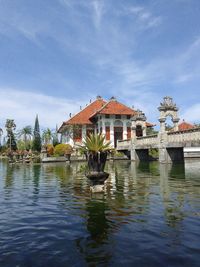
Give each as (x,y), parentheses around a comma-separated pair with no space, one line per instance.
(149,215)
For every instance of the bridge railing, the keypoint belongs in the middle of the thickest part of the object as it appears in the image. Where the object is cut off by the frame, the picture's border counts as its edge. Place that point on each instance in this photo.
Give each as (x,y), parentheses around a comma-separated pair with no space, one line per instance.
(149,140)
(124,144)
(191,135)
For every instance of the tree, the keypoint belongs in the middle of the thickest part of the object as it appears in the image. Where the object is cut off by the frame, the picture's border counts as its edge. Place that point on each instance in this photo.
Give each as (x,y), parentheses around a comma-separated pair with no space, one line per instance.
(26,133)
(151,131)
(47,136)
(10,127)
(36,136)
(1,133)
(55,137)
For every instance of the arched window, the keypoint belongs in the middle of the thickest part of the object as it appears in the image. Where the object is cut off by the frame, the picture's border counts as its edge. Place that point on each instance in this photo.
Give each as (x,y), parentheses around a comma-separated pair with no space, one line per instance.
(118,131)
(118,123)
(139,130)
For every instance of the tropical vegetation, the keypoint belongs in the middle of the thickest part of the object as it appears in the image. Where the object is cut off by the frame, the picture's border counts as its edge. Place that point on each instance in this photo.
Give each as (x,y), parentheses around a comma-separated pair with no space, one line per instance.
(96,149)
(37,142)
(62,150)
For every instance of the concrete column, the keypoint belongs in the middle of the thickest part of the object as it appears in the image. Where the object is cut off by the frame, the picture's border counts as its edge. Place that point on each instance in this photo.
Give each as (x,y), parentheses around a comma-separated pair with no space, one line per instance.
(162,124)
(112,132)
(83,132)
(133,141)
(144,130)
(133,154)
(103,127)
(98,126)
(163,153)
(133,130)
(124,130)
(95,129)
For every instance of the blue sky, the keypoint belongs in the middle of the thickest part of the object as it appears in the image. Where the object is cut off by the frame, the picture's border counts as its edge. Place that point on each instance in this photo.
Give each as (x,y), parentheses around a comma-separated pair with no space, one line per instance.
(56,55)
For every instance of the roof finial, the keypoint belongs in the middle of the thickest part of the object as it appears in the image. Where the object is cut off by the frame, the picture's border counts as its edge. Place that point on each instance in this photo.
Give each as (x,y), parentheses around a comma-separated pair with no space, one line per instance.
(99,97)
(113,98)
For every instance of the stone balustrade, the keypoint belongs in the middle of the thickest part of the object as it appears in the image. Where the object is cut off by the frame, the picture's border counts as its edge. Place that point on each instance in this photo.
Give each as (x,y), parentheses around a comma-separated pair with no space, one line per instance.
(147,141)
(184,137)
(124,144)
(170,145)
(174,139)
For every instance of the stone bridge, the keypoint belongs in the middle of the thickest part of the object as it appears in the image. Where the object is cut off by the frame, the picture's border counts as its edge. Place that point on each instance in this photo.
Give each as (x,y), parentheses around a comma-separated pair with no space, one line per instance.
(170,144)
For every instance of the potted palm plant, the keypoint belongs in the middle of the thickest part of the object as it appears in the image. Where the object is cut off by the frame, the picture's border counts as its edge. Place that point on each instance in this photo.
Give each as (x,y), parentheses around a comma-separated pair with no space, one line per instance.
(96,149)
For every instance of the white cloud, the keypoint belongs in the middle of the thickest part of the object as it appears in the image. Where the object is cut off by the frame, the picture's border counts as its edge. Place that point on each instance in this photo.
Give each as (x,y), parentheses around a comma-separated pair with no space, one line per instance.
(142,15)
(192,114)
(98,7)
(23,107)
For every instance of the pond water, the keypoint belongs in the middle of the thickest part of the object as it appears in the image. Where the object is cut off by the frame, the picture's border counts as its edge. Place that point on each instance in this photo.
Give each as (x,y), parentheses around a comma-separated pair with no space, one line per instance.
(149,215)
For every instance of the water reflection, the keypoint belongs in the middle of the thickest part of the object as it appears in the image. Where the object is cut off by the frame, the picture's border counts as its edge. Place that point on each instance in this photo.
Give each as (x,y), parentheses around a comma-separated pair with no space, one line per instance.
(96,247)
(173,200)
(148,212)
(36,178)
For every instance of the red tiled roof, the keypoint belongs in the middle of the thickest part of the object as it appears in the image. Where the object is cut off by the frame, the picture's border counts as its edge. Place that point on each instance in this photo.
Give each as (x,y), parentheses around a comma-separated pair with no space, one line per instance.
(113,107)
(83,117)
(99,106)
(185,126)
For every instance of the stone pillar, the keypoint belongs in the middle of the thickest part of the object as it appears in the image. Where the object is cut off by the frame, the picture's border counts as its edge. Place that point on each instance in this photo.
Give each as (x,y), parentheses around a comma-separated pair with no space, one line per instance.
(103,127)
(83,132)
(124,130)
(163,153)
(112,132)
(166,108)
(162,125)
(133,129)
(133,141)
(144,130)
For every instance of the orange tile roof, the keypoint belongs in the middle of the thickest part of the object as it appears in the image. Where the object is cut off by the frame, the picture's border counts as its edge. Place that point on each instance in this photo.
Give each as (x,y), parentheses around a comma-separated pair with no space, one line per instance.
(185,126)
(83,117)
(113,107)
(99,106)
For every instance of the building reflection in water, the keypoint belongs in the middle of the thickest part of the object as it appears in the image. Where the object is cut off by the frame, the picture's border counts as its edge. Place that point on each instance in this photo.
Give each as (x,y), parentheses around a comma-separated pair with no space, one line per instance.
(173,193)
(125,200)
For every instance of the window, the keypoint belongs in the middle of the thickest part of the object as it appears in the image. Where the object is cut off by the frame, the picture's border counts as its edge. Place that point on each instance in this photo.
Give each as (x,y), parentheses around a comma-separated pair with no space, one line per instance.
(128,117)
(108,133)
(117,116)
(107,116)
(128,132)
(77,134)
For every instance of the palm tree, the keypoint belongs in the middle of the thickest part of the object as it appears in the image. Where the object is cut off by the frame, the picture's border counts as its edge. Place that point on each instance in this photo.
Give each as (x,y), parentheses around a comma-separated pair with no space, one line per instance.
(47,136)
(26,133)
(96,149)
(10,127)
(1,133)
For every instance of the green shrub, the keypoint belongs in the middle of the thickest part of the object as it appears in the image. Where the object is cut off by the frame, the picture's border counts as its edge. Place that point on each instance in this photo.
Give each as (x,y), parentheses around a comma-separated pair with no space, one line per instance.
(50,149)
(62,149)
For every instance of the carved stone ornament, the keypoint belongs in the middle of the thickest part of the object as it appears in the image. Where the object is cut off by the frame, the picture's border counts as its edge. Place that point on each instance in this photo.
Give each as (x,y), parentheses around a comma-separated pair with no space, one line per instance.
(139,116)
(167,104)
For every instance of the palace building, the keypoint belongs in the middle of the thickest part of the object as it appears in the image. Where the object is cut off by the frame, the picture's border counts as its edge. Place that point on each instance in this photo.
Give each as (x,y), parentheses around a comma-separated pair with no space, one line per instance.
(111,118)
